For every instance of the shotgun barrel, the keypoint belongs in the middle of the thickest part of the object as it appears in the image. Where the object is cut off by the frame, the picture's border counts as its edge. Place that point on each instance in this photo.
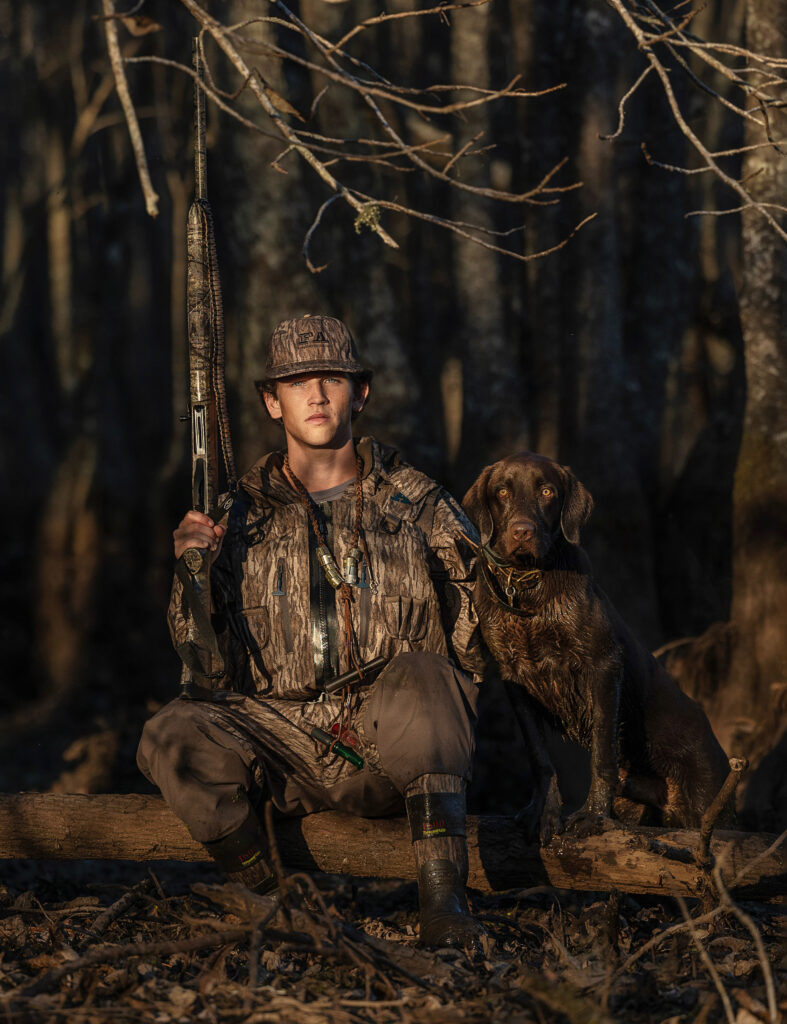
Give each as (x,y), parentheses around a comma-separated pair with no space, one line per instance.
(207,405)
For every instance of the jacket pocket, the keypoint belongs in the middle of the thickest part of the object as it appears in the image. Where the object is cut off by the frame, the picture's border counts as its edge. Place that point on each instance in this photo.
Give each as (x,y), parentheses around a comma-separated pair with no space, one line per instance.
(282,604)
(405,617)
(257,628)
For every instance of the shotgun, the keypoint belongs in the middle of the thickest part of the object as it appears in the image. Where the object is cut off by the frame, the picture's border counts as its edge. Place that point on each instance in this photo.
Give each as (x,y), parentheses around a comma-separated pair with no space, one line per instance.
(202,661)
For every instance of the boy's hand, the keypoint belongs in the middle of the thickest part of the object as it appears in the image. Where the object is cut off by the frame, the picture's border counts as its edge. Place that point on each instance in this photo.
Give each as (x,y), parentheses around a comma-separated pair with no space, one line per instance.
(196,530)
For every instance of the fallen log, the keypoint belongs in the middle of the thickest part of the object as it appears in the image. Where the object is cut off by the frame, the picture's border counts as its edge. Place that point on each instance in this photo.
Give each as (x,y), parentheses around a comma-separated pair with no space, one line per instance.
(55,826)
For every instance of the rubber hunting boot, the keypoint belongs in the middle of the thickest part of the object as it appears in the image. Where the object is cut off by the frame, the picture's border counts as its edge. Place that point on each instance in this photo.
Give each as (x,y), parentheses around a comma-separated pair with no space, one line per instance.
(436,813)
(243,856)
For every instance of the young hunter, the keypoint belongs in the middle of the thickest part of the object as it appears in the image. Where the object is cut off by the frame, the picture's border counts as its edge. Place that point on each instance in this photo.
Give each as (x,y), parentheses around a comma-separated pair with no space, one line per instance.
(335,553)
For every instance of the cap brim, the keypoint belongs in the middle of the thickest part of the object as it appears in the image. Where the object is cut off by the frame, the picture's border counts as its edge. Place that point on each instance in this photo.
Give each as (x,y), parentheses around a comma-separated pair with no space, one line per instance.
(313,366)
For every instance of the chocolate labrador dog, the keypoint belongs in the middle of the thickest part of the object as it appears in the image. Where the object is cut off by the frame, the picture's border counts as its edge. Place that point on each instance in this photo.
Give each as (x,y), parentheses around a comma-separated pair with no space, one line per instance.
(553,632)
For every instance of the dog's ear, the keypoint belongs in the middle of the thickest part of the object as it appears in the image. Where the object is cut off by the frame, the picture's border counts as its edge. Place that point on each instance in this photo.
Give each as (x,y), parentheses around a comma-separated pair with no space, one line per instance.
(476,504)
(577,506)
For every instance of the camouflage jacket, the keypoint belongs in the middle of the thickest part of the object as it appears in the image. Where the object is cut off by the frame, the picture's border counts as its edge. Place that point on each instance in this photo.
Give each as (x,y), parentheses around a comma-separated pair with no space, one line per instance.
(278,620)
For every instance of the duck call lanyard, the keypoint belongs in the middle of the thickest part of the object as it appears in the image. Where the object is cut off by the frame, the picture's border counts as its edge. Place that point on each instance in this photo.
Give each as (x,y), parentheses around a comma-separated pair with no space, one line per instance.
(342,583)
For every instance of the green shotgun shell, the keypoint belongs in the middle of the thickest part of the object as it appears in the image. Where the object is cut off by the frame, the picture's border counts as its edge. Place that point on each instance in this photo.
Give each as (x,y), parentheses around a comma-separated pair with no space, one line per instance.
(338,748)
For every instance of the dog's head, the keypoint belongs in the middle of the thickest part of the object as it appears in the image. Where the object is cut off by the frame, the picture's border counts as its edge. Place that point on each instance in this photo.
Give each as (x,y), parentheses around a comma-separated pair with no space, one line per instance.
(524,503)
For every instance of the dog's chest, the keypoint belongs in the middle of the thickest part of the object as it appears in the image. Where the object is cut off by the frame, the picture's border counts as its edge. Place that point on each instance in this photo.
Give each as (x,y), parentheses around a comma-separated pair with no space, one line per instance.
(552,652)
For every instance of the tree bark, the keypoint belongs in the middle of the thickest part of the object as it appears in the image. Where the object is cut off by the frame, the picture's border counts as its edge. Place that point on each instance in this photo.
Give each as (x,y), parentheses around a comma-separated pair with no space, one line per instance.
(760,493)
(136,827)
(738,668)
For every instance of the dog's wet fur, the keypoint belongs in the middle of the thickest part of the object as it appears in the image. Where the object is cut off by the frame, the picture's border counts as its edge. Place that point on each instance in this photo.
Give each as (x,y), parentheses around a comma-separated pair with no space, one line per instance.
(565,644)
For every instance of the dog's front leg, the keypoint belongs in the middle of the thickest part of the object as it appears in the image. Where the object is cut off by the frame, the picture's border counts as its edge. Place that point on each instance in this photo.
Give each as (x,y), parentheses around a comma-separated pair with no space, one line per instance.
(596,812)
(541,817)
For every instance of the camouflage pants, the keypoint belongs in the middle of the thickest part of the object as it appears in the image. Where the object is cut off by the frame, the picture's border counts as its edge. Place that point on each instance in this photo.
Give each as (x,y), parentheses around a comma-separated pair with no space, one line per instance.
(214,759)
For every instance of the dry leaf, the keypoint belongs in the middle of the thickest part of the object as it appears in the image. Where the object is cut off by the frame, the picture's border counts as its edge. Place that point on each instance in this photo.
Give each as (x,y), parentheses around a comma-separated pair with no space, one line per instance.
(44,961)
(13,933)
(279,102)
(182,999)
(140,25)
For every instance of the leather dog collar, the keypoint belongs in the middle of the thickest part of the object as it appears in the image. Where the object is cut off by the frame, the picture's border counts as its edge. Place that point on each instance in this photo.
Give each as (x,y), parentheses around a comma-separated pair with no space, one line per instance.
(508,580)
(505,582)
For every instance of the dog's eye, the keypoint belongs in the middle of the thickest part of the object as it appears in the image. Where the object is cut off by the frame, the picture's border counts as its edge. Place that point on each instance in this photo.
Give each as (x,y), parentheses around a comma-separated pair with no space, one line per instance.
(548,492)
(502,492)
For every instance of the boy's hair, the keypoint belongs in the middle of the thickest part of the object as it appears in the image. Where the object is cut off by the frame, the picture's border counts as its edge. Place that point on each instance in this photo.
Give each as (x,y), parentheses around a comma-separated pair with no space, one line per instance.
(358,380)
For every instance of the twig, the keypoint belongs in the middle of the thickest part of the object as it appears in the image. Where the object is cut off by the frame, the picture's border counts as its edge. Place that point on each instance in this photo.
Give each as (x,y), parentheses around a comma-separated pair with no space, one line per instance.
(214,94)
(366,95)
(732,209)
(121,84)
(622,105)
(119,907)
(310,232)
(644,44)
(220,34)
(457,229)
(89,114)
(747,922)
(107,953)
(380,18)
(758,859)
(254,954)
(738,766)
(658,939)
(740,111)
(390,92)
(705,957)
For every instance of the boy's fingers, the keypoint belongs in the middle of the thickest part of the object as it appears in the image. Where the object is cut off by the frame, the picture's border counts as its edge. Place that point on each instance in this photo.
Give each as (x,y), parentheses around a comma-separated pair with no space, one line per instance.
(197,517)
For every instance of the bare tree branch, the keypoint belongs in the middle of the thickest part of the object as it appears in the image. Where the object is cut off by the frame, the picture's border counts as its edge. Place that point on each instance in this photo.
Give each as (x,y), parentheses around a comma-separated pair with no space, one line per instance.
(705,957)
(489,193)
(116,60)
(436,157)
(645,41)
(622,105)
(729,904)
(394,93)
(220,34)
(441,10)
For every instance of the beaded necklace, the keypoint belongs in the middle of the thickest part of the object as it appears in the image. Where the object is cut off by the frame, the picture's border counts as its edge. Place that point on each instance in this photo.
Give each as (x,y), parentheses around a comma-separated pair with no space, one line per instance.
(342,730)
(341,582)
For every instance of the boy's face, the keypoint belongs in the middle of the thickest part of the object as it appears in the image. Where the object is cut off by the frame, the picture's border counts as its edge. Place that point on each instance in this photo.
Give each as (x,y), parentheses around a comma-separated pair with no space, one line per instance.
(316,408)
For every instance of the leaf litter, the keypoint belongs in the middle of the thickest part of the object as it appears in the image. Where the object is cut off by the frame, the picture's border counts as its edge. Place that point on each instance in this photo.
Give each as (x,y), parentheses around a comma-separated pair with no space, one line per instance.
(181,945)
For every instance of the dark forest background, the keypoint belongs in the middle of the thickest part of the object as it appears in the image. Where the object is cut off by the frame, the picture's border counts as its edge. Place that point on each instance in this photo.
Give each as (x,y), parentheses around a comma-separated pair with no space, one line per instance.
(648,352)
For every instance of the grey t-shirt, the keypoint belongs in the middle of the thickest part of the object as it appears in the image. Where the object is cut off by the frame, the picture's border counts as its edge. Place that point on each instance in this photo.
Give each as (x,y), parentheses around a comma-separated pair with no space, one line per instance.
(331,494)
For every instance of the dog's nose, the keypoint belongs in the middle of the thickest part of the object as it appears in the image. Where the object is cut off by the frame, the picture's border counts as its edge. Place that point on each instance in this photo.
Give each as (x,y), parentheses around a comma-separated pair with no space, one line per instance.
(522,529)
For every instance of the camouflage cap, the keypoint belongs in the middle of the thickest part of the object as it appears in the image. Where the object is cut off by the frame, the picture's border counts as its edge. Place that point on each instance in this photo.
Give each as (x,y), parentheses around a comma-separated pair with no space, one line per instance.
(311,343)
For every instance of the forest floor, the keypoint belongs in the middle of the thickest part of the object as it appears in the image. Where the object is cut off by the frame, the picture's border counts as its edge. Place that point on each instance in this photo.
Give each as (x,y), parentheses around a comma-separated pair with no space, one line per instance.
(86,942)
(96,941)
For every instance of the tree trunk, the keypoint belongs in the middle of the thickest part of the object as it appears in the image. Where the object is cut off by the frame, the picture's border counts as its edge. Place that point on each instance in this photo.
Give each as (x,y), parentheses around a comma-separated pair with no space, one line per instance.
(114,827)
(741,668)
(760,494)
